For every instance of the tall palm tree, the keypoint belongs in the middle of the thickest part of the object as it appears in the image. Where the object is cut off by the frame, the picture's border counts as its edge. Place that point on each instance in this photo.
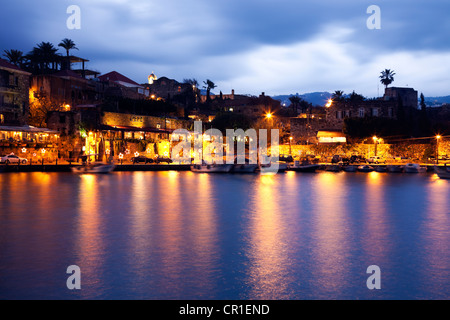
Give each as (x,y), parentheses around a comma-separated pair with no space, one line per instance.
(15,57)
(209,85)
(387,77)
(68,45)
(43,57)
(338,95)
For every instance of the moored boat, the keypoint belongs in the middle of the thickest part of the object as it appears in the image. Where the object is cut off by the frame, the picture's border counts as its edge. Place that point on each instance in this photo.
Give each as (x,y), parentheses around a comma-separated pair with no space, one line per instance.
(305,166)
(414,168)
(442,172)
(95,167)
(365,168)
(246,167)
(334,168)
(394,168)
(211,168)
(380,168)
(350,168)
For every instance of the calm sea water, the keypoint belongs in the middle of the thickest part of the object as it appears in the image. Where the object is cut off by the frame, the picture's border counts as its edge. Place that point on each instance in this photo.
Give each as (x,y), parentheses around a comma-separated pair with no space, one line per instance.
(181,235)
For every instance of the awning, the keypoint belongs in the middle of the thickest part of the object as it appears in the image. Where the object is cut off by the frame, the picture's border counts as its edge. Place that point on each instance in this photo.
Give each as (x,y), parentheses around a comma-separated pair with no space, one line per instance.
(135,129)
(28,129)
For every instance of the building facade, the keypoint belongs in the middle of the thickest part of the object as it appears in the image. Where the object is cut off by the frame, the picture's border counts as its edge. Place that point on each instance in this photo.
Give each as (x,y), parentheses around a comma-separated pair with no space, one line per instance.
(14,94)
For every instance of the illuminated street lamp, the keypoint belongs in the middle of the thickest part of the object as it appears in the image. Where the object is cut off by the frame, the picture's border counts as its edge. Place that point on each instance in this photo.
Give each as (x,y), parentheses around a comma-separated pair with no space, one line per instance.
(438,137)
(375,140)
(290,145)
(269,116)
(329,103)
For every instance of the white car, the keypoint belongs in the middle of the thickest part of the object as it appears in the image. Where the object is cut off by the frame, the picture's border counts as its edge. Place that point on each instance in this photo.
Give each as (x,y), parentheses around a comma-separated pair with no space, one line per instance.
(13,159)
(376,160)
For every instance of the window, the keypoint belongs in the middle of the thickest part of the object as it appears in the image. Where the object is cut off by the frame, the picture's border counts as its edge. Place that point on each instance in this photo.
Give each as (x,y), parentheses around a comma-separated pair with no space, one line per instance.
(374,112)
(361,113)
(2,118)
(391,112)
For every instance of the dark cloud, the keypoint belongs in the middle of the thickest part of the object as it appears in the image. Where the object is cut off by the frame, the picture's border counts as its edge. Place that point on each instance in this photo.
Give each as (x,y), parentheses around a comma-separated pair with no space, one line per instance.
(223,37)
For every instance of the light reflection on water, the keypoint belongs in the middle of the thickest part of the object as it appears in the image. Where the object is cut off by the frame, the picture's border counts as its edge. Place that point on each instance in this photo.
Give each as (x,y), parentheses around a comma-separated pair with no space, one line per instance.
(179,235)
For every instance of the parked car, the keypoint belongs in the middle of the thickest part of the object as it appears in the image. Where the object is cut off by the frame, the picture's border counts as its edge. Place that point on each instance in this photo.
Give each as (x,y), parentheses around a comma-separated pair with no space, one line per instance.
(163,160)
(141,159)
(357,159)
(13,159)
(376,160)
(336,159)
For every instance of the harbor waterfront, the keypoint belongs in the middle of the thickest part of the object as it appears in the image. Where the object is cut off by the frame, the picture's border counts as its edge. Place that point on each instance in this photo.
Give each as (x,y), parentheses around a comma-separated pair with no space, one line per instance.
(182,235)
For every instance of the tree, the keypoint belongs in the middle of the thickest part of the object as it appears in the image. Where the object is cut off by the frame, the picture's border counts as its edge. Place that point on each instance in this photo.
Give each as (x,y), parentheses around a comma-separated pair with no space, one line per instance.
(229,120)
(355,97)
(43,58)
(209,85)
(295,102)
(387,77)
(68,45)
(424,122)
(338,95)
(40,106)
(15,57)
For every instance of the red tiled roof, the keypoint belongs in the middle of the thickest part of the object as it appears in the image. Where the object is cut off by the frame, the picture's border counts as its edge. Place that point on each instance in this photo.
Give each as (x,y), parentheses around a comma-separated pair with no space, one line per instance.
(6,64)
(115,77)
(68,73)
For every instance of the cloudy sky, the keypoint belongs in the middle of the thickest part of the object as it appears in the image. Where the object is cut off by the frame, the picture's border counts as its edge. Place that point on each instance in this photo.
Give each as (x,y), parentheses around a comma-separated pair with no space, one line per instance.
(275,46)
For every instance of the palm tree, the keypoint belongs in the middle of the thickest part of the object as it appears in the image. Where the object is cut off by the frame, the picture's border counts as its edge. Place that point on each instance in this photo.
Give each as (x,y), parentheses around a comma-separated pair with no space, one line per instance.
(338,95)
(295,101)
(68,45)
(14,56)
(43,57)
(209,85)
(387,77)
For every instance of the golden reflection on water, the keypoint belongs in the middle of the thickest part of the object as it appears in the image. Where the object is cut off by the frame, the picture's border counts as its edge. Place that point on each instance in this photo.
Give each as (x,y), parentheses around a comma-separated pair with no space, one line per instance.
(437,237)
(140,214)
(89,244)
(330,238)
(268,275)
(376,224)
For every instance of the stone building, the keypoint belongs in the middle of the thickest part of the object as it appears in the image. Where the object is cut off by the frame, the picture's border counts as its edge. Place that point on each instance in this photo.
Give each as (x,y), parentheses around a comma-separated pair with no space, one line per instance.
(408,96)
(118,85)
(14,94)
(67,89)
(166,88)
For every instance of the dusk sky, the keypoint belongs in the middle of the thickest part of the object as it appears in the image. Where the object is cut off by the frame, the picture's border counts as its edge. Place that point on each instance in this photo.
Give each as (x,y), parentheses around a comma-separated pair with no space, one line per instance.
(279,47)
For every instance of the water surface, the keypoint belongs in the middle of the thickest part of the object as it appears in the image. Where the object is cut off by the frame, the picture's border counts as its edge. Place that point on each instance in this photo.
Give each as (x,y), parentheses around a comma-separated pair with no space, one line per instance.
(179,235)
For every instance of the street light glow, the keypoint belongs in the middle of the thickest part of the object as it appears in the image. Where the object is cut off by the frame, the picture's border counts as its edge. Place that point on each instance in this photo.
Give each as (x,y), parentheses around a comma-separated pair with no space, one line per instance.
(268,115)
(330,102)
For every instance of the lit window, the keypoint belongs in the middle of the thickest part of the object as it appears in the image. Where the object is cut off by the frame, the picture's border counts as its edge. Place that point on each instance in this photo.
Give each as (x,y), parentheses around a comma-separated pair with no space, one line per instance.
(2,118)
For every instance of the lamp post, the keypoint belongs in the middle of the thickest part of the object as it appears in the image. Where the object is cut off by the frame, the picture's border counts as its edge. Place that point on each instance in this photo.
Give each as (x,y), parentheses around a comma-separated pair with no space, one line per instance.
(438,137)
(375,140)
(290,145)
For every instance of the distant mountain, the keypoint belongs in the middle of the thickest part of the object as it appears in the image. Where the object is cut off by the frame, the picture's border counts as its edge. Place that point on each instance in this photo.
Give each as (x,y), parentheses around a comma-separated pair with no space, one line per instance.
(321,98)
(436,101)
(316,98)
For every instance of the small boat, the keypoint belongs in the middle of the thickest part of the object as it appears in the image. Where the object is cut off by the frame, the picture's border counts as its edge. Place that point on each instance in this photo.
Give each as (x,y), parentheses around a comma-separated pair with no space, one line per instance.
(442,172)
(95,167)
(211,168)
(334,168)
(394,168)
(380,168)
(365,168)
(305,166)
(246,167)
(414,168)
(274,167)
(350,168)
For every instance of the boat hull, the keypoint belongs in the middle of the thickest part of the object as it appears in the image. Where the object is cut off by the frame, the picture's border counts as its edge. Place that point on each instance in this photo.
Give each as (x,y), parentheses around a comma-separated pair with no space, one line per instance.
(97,169)
(244,168)
(304,168)
(414,168)
(213,168)
(442,173)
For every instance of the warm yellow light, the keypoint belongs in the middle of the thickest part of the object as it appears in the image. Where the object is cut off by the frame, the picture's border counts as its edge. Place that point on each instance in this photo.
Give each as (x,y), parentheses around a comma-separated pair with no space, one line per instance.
(120,156)
(438,137)
(268,115)
(330,102)
(153,96)
(375,139)
(290,138)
